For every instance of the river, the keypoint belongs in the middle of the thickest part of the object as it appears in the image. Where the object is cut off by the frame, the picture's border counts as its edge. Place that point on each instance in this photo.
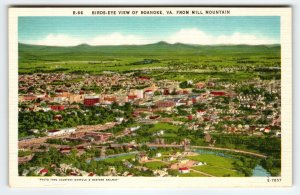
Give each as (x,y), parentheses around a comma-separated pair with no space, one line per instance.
(259,171)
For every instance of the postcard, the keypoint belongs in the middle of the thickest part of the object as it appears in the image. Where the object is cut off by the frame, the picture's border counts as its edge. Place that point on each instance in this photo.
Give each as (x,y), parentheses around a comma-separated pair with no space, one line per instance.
(150,97)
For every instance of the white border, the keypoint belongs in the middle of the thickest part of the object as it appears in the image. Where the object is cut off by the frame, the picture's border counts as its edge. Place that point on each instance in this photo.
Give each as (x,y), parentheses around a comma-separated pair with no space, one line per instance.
(144,182)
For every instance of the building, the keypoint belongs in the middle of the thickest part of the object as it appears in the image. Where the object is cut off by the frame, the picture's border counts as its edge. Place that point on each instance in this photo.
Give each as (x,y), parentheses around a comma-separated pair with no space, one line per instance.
(56,132)
(158,155)
(108,100)
(77,135)
(57,107)
(91,100)
(43,172)
(200,85)
(132,97)
(134,128)
(200,113)
(164,104)
(139,93)
(57,117)
(184,170)
(28,97)
(218,93)
(119,119)
(142,157)
(77,98)
(98,136)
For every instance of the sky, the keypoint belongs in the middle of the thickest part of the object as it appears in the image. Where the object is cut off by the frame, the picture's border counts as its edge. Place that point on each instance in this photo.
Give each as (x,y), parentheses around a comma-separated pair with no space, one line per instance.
(105,30)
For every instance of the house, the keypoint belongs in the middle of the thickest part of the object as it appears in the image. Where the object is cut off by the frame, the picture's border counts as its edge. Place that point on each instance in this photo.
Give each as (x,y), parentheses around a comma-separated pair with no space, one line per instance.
(34,130)
(132,97)
(78,98)
(218,93)
(56,132)
(28,97)
(91,174)
(57,107)
(43,172)
(119,119)
(134,128)
(65,150)
(139,93)
(142,157)
(158,155)
(99,136)
(200,113)
(161,132)
(127,164)
(200,85)
(267,130)
(164,104)
(144,78)
(278,134)
(77,135)
(171,158)
(73,173)
(154,117)
(57,117)
(184,170)
(160,173)
(46,109)
(199,163)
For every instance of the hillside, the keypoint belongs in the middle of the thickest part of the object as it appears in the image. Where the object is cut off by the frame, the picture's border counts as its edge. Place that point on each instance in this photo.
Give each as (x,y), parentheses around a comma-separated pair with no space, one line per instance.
(84,52)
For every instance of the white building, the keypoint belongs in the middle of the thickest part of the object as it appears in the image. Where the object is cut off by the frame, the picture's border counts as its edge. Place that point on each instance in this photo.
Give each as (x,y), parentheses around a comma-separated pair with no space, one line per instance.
(184,170)
(134,128)
(119,119)
(57,132)
(139,93)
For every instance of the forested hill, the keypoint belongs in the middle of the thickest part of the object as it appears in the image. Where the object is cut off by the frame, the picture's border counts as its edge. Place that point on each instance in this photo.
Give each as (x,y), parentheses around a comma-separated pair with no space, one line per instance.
(29,53)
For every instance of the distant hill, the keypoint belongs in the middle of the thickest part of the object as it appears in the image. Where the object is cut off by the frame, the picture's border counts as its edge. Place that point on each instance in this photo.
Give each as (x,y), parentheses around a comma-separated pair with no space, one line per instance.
(29,53)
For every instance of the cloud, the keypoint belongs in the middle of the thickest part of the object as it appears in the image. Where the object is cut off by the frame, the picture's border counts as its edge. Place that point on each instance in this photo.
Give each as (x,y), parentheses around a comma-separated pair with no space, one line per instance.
(186,36)
(119,39)
(58,40)
(196,36)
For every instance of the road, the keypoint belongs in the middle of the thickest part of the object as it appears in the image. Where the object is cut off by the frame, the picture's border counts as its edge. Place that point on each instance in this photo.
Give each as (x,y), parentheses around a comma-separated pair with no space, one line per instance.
(206,174)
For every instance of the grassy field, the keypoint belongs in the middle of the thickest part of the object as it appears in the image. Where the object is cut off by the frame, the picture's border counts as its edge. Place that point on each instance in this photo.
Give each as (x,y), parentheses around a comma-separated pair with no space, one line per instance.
(192,174)
(120,158)
(213,160)
(164,126)
(218,171)
(216,165)
(160,61)
(154,165)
